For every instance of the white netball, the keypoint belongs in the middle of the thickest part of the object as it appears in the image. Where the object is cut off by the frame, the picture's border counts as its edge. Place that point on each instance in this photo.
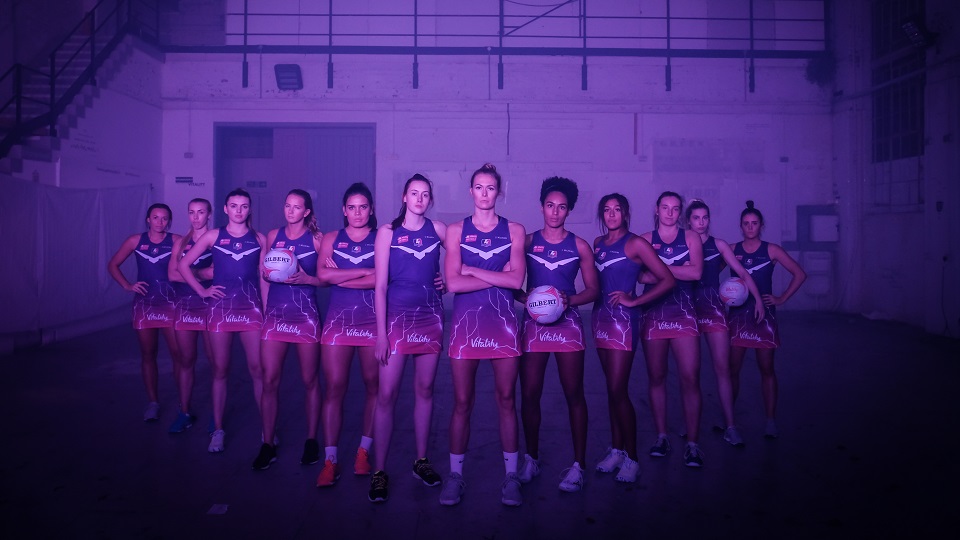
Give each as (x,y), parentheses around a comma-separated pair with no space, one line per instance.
(733,292)
(280,264)
(544,304)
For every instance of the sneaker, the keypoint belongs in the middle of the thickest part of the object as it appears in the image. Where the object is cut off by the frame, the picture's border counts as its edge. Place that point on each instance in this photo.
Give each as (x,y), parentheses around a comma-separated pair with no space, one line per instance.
(530,469)
(378,487)
(693,456)
(182,422)
(330,474)
(216,441)
(660,448)
(629,470)
(510,490)
(423,471)
(452,489)
(572,478)
(732,436)
(361,465)
(771,432)
(612,461)
(311,452)
(267,455)
(152,412)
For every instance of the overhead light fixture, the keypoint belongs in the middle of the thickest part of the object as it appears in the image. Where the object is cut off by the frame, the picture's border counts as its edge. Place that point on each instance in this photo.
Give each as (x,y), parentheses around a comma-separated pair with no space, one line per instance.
(288,76)
(918,34)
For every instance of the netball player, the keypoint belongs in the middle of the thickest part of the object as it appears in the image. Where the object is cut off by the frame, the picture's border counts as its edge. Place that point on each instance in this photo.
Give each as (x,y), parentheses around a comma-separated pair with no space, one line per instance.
(291,317)
(554,257)
(712,314)
(235,307)
(670,323)
(484,264)
(759,258)
(350,326)
(154,304)
(620,257)
(192,309)
(409,323)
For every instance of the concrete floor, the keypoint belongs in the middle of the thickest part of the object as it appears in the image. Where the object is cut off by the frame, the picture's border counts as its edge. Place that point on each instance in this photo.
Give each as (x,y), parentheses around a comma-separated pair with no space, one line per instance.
(867,415)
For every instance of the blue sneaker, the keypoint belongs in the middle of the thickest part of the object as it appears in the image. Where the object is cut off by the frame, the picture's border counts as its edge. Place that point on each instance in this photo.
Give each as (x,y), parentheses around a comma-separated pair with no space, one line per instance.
(182,422)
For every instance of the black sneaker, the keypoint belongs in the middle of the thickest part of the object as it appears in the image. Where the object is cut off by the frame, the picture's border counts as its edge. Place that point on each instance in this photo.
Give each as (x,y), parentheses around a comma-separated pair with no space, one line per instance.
(378,487)
(423,471)
(311,452)
(660,448)
(693,456)
(267,455)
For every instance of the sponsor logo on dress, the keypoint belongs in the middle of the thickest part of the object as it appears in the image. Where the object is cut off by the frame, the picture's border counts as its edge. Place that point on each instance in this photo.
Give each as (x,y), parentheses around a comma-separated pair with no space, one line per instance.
(417,338)
(356,332)
(403,239)
(157,317)
(484,343)
(144,247)
(225,242)
(538,303)
(656,246)
(288,329)
(470,238)
(279,244)
(750,336)
(603,335)
(555,337)
(191,319)
(537,249)
(342,245)
(236,319)
(667,325)
(704,321)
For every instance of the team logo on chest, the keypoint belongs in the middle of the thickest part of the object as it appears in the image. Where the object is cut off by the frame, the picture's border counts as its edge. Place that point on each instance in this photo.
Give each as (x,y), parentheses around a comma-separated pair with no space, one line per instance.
(356,249)
(668,251)
(552,254)
(238,246)
(602,255)
(486,242)
(418,242)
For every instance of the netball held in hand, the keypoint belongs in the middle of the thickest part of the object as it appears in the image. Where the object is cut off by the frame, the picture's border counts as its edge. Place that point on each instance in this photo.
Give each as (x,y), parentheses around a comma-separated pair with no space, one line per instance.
(280,265)
(544,304)
(733,292)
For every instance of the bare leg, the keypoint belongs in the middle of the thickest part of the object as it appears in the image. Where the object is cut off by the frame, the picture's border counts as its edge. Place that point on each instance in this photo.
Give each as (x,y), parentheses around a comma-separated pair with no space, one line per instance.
(686,351)
(170,336)
(219,365)
(272,354)
(370,371)
(464,392)
(251,346)
(424,376)
(505,381)
(719,343)
(389,388)
(655,351)
(623,417)
(570,368)
(187,340)
(736,363)
(309,354)
(532,368)
(148,339)
(768,381)
(335,360)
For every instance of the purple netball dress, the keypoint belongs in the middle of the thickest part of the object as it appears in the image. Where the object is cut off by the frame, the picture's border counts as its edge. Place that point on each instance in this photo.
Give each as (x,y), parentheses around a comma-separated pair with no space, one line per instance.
(616,327)
(711,313)
(236,266)
(557,265)
(193,309)
(745,331)
(350,317)
(291,313)
(485,321)
(157,308)
(414,309)
(672,315)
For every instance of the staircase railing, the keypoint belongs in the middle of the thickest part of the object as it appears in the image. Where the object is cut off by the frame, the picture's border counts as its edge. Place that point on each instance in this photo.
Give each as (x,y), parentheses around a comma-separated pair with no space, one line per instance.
(27,110)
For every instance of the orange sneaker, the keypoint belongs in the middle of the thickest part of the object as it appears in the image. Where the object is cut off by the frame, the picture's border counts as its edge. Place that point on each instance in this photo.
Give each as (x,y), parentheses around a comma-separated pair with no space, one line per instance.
(361,466)
(329,474)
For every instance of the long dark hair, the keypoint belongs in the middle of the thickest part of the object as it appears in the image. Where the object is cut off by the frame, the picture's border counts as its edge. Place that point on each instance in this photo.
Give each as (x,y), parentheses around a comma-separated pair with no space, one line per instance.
(359,188)
(311,220)
(664,195)
(403,206)
(189,235)
(160,206)
(624,210)
(695,204)
(240,192)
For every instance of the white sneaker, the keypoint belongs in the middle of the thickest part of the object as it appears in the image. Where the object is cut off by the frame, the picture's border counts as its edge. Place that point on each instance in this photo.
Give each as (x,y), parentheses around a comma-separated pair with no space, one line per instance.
(612,461)
(530,469)
(510,491)
(572,478)
(152,412)
(216,441)
(629,470)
